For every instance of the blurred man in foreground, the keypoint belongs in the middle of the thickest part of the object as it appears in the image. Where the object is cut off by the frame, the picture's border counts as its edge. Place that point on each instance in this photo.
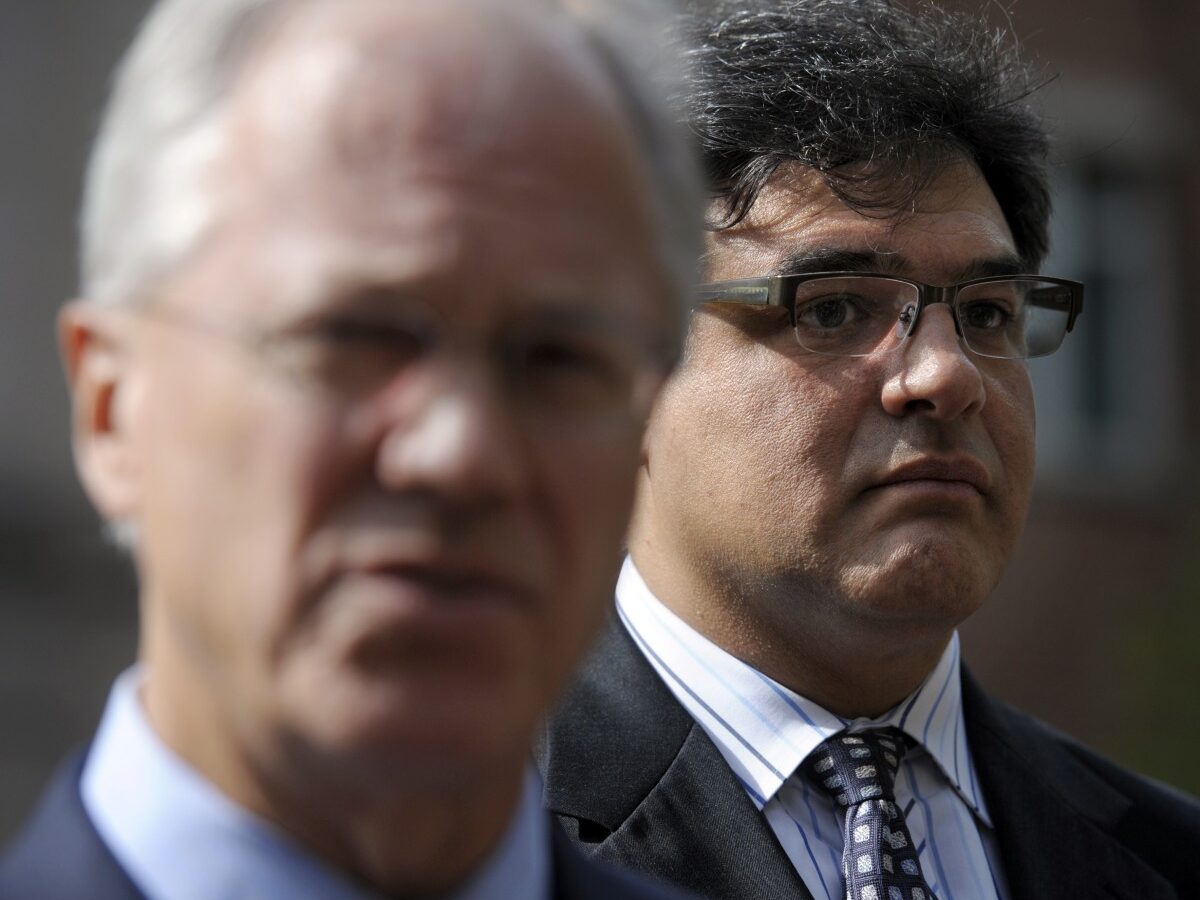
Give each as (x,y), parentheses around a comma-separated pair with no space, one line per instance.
(377,296)
(834,479)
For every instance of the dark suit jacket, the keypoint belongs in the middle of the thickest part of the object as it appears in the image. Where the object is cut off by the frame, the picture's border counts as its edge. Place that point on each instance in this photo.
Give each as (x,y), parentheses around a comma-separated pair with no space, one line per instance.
(59,856)
(632,777)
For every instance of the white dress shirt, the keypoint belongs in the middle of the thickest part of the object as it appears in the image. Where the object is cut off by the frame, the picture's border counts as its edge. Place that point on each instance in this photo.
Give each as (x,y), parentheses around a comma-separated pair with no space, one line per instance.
(179,838)
(765,731)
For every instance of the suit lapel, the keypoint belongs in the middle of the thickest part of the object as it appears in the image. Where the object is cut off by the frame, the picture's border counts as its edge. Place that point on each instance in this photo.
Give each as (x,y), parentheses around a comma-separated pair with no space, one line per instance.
(699,828)
(628,770)
(1054,818)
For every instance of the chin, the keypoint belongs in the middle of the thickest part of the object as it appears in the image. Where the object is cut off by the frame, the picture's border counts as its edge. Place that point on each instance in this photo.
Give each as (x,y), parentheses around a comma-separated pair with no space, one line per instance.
(933,581)
(424,731)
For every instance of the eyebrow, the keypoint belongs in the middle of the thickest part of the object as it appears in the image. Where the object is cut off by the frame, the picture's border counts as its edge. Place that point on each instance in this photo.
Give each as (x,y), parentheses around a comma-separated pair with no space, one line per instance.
(832,259)
(341,295)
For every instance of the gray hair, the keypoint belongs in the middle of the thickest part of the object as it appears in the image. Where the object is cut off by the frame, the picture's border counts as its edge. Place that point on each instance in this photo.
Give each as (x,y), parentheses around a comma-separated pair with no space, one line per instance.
(145,205)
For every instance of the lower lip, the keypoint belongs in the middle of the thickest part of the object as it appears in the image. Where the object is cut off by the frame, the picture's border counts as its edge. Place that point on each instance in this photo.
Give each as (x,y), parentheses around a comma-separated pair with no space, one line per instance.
(386,612)
(931,489)
(405,632)
(405,598)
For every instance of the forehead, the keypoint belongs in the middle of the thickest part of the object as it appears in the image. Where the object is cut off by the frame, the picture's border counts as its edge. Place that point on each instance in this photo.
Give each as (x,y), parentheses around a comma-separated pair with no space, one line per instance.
(955,227)
(401,141)
(370,85)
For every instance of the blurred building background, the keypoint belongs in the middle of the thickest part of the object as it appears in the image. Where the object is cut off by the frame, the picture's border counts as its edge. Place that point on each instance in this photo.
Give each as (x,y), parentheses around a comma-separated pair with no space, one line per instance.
(1094,627)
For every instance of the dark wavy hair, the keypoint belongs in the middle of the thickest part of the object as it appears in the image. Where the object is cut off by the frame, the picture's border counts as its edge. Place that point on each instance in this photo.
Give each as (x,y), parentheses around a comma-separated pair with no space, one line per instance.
(877,97)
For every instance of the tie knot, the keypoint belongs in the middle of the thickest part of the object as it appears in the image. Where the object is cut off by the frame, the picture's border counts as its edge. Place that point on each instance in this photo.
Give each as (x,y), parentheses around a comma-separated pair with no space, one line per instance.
(853,768)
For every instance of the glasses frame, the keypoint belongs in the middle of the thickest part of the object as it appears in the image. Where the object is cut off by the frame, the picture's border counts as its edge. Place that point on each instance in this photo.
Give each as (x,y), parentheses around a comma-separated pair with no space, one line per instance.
(654,363)
(780,291)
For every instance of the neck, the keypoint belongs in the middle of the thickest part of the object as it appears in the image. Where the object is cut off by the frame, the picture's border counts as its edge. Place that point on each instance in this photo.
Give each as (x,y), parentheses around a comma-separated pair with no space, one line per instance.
(808,641)
(825,664)
(398,832)
(405,843)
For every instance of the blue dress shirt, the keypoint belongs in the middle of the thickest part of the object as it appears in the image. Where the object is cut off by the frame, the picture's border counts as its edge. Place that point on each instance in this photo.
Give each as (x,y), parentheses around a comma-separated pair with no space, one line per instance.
(179,838)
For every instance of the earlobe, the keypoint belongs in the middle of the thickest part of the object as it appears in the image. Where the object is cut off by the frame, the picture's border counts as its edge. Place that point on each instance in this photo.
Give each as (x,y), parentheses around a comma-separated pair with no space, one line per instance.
(93,341)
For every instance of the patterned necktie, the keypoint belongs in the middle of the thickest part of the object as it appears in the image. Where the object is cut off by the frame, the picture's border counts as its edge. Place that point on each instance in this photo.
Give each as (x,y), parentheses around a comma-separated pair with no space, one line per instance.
(879,861)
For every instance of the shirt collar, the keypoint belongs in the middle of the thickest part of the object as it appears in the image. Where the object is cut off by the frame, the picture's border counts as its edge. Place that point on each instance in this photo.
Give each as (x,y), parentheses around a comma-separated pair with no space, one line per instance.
(933,717)
(179,838)
(765,730)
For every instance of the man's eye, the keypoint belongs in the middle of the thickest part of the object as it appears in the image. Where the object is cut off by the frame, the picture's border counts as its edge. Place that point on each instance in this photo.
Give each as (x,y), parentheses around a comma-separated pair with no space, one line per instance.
(574,359)
(985,315)
(359,334)
(349,354)
(577,373)
(832,311)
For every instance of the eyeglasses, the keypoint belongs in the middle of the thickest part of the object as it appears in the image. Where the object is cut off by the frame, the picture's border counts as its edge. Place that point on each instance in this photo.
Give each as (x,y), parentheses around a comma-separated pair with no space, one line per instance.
(556,362)
(858,314)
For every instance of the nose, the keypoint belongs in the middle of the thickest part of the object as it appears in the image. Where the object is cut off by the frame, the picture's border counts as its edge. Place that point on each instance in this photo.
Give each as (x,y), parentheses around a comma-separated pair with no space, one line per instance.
(933,374)
(454,435)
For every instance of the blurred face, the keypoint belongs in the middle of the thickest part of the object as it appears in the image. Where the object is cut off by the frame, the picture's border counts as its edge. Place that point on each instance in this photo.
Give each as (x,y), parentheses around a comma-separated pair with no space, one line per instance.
(386,420)
(886,490)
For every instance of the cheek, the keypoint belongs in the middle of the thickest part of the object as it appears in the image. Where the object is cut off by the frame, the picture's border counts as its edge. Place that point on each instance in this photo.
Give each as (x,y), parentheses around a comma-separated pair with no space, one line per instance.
(246,474)
(588,497)
(753,446)
(311,468)
(200,482)
(582,516)
(800,421)
(826,415)
(1011,424)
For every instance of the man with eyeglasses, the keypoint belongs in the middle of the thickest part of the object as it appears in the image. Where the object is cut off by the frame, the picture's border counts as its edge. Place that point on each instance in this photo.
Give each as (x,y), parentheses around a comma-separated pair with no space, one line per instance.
(832,481)
(377,296)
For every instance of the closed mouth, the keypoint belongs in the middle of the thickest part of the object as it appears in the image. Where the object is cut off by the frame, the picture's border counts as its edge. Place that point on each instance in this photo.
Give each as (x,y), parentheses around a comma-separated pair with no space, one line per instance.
(448,579)
(949,472)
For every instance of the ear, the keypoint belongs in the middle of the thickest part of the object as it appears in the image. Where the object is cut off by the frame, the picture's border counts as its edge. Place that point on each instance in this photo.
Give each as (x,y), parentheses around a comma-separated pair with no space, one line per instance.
(95,345)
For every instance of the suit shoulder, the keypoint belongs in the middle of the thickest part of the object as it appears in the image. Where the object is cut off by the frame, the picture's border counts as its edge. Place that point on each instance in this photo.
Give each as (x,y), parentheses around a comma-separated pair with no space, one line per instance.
(1140,789)
(32,868)
(1164,803)
(1155,818)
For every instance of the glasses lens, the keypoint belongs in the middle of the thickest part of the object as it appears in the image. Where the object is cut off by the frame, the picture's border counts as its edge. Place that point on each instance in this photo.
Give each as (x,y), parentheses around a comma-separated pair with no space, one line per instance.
(852,315)
(1014,318)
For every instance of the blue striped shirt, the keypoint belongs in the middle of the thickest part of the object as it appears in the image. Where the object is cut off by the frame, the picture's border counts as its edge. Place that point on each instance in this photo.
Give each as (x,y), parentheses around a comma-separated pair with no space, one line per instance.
(765,731)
